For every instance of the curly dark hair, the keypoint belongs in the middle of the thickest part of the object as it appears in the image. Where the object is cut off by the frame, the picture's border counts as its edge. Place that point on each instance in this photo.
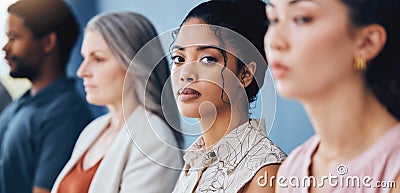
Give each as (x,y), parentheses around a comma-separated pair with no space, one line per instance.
(245,17)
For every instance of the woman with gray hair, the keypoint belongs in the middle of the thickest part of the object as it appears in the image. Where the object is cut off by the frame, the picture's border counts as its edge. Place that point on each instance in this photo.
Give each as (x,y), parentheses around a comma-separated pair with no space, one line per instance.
(133,147)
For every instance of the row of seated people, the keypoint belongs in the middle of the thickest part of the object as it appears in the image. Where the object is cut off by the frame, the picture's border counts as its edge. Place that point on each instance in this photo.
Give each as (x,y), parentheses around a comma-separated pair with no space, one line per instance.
(338,58)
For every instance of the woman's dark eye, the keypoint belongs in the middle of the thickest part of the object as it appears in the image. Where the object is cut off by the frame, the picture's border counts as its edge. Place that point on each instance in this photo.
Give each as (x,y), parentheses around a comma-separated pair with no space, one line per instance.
(177,59)
(208,60)
(302,20)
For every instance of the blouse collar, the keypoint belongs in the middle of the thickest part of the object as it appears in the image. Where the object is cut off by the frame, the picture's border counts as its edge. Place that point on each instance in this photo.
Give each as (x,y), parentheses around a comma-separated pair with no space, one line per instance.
(230,150)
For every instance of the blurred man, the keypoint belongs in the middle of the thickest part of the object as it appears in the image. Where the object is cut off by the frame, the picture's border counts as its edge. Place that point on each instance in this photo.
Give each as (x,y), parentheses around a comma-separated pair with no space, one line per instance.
(39,130)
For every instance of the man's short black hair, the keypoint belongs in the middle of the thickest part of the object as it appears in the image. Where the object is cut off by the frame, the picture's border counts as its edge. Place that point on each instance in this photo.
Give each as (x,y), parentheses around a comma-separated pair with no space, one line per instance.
(46,16)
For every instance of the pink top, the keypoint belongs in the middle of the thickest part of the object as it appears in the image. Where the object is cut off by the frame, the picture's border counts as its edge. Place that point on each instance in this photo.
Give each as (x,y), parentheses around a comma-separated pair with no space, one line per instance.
(373,169)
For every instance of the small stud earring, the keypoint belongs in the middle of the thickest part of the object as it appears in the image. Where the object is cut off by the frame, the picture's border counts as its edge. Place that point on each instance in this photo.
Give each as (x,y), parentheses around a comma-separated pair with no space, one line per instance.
(360,63)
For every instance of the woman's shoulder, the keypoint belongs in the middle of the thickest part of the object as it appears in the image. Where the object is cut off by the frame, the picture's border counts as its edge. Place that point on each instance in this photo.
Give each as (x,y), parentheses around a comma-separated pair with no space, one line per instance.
(263,147)
(267,149)
(249,149)
(148,121)
(381,159)
(148,129)
(152,137)
(264,154)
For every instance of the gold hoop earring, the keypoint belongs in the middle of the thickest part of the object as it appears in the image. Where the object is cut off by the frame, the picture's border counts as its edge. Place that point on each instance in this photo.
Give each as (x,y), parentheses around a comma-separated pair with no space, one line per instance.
(360,63)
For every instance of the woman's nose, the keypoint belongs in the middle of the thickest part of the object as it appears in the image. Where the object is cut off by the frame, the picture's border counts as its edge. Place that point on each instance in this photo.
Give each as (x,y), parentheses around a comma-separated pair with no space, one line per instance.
(82,70)
(188,73)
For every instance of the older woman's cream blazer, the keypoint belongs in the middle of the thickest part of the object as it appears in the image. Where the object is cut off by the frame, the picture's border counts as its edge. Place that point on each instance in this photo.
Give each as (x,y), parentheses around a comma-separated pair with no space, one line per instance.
(139,160)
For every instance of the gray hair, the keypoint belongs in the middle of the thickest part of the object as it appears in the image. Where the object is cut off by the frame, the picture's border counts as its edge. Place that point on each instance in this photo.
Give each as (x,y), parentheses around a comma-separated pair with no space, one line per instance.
(125,34)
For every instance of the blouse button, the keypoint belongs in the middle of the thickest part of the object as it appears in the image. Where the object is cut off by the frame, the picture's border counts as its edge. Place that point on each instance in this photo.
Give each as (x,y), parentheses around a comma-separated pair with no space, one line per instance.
(212,154)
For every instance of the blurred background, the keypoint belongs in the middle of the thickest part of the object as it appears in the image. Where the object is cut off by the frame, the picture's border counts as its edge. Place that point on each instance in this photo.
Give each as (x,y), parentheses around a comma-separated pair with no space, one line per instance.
(287,124)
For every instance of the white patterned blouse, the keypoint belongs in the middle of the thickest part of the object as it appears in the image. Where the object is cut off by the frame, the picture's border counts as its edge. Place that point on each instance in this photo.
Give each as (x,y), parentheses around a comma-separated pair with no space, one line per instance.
(231,163)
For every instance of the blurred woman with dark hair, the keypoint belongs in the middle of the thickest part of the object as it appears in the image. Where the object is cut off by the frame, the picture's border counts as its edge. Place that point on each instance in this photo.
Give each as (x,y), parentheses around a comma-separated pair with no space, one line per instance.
(339,58)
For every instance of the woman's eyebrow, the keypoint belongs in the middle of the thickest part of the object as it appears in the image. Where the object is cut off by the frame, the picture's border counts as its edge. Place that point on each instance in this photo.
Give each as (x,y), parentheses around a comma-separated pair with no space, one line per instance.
(292,2)
(176,47)
(199,47)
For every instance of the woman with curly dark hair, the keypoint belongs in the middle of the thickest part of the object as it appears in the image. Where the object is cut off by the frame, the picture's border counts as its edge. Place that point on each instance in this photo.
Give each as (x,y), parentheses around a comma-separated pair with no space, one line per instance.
(218,69)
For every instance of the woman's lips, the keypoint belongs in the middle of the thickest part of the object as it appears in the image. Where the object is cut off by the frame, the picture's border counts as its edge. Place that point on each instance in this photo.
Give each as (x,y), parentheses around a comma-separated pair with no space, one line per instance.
(278,70)
(188,94)
(88,87)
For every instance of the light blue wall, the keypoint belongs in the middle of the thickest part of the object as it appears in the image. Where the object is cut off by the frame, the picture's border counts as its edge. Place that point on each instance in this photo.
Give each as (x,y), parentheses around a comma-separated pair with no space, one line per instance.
(290,125)
(83,10)
(165,15)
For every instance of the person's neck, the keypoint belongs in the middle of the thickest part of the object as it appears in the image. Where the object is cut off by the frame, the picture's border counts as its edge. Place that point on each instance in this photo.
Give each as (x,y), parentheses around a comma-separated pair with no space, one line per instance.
(49,73)
(43,82)
(215,126)
(121,110)
(348,121)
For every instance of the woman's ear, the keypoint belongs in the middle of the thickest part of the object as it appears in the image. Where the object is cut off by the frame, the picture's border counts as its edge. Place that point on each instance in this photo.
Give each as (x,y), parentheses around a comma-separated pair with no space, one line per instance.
(49,42)
(372,39)
(247,74)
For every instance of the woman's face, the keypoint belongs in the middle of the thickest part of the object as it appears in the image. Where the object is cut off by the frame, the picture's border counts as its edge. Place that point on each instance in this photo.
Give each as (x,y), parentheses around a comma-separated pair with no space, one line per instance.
(309,46)
(196,72)
(102,75)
